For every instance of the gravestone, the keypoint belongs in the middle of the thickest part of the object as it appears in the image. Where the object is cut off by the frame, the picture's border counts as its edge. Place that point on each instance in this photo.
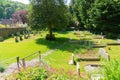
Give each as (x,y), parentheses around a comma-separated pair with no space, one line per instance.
(78,69)
(102,53)
(72,62)
(20,38)
(16,39)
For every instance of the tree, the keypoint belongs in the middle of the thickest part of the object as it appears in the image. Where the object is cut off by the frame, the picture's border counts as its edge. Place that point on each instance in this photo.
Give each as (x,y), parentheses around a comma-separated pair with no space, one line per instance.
(105,15)
(80,10)
(20,16)
(48,14)
(8,7)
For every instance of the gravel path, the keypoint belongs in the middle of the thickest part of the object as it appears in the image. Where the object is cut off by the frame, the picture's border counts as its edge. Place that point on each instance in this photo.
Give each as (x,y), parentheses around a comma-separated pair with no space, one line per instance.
(13,67)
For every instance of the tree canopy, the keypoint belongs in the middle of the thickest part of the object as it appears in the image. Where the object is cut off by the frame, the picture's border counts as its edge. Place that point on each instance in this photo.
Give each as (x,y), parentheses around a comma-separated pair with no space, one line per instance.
(8,7)
(48,14)
(98,15)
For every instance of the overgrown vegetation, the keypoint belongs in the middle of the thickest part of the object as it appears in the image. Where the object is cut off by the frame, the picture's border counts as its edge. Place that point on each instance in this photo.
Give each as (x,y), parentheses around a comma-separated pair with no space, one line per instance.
(38,73)
(98,16)
(8,7)
(111,70)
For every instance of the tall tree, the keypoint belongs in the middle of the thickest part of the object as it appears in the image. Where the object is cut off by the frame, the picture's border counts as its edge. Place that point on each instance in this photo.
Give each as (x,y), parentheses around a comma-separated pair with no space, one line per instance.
(48,14)
(105,15)
(20,16)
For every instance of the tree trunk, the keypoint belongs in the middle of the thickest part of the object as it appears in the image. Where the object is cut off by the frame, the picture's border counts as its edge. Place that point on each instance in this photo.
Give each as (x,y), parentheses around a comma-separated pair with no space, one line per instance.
(50,36)
(50,31)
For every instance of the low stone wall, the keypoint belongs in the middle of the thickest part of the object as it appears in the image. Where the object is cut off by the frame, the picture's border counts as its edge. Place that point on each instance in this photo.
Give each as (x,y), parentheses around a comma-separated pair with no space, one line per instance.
(4,32)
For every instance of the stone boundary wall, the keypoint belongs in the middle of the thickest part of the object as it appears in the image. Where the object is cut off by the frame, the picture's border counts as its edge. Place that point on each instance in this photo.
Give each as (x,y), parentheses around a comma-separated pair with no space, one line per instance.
(4,32)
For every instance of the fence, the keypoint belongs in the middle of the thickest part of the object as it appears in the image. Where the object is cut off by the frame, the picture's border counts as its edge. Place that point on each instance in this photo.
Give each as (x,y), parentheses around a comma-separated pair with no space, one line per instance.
(22,62)
(4,32)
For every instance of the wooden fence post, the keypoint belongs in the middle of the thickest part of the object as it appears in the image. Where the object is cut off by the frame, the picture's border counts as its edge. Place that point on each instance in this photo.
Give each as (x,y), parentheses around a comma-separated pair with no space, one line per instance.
(23,62)
(18,62)
(39,55)
(108,57)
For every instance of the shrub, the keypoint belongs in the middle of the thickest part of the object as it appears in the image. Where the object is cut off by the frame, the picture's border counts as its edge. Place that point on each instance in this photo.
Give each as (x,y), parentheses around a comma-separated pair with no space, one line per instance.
(112,70)
(32,74)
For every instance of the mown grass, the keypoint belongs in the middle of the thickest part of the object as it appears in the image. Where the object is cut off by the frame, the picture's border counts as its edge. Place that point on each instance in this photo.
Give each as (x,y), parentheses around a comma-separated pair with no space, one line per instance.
(114,52)
(10,49)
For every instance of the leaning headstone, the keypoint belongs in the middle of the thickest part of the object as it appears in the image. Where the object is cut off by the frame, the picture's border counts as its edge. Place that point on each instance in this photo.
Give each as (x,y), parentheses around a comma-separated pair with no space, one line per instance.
(16,39)
(20,38)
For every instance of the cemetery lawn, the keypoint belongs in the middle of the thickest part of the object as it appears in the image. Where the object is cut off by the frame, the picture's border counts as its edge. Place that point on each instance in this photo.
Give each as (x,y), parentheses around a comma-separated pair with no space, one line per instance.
(10,49)
(114,52)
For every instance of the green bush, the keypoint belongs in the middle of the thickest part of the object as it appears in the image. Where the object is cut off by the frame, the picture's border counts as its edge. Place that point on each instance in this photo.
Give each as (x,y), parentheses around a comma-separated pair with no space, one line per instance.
(112,70)
(38,73)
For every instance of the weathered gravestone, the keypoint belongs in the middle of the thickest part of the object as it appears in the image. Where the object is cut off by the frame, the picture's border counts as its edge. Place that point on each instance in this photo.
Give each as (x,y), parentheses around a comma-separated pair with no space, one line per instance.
(78,69)
(20,38)
(102,53)
(72,62)
(16,39)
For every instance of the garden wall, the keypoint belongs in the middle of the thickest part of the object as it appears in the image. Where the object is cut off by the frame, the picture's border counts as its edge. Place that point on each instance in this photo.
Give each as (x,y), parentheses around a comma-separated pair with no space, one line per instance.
(4,32)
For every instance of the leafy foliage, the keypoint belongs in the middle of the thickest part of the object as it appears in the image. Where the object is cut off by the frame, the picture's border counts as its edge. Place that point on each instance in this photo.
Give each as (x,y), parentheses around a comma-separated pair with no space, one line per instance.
(111,70)
(20,16)
(48,14)
(98,15)
(8,7)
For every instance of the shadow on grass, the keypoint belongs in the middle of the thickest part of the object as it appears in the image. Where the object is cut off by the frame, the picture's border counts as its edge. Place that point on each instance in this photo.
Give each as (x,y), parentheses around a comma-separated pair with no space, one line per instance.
(51,44)
(71,47)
